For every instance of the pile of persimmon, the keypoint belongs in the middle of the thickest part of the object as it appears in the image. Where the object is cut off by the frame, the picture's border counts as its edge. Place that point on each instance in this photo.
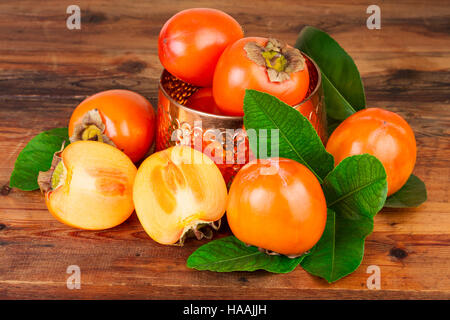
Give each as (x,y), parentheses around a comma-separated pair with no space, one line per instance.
(90,183)
(275,204)
(207,48)
(93,183)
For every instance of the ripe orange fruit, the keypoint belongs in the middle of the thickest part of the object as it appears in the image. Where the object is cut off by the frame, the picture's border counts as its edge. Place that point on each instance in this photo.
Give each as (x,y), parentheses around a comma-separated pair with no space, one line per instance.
(176,191)
(277,204)
(381,133)
(202,100)
(92,186)
(191,42)
(124,117)
(273,69)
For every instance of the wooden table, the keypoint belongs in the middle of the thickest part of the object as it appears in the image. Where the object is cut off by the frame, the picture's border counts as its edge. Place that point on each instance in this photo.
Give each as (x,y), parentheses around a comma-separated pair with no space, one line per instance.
(46,70)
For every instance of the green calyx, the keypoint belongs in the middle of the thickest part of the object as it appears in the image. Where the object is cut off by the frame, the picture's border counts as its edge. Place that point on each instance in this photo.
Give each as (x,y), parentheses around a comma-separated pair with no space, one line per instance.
(91,128)
(52,178)
(56,177)
(277,57)
(275,60)
(92,133)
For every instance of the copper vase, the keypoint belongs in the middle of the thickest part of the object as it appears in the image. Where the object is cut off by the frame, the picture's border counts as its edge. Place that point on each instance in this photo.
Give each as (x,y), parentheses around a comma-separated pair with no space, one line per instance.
(178,124)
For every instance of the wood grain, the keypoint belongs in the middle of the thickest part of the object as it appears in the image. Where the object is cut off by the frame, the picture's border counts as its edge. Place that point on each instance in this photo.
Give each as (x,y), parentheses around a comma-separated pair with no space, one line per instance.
(46,70)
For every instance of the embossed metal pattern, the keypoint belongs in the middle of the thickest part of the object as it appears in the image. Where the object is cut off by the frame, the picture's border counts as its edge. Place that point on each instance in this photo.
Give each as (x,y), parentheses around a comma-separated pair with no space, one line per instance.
(220,137)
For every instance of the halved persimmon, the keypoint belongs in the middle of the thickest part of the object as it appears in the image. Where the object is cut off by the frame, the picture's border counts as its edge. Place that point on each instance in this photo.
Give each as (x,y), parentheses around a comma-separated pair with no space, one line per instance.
(89,186)
(177,191)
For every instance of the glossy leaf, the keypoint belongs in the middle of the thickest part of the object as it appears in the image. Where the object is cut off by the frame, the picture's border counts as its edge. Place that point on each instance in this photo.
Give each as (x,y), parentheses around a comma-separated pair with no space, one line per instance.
(297,138)
(411,195)
(230,254)
(355,191)
(37,156)
(342,84)
(357,186)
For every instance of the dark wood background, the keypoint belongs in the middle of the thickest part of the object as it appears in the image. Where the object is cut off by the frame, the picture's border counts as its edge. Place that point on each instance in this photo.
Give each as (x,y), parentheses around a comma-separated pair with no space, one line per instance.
(46,70)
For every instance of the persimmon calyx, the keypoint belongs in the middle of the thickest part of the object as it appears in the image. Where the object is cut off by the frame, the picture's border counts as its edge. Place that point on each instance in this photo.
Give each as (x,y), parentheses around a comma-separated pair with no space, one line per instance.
(273,253)
(277,57)
(202,229)
(55,176)
(91,128)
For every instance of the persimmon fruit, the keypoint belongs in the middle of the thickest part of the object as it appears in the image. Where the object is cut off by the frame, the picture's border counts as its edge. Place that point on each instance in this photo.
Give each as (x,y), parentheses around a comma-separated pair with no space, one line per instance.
(191,42)
(122,118)
(202,100)
(381,133)
(90,186)
(262,64)
(177,192)
(277,204)
(308,110)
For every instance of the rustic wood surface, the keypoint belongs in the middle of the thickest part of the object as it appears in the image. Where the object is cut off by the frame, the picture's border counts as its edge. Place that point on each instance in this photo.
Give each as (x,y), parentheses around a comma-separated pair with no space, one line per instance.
(46,70)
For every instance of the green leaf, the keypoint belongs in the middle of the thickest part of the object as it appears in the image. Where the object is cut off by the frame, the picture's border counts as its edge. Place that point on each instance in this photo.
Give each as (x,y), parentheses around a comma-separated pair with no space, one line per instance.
(357,186)
(342,84)
(355,191)
(411,195)
(37,156)
(332,125)
(297,138)
(230,254)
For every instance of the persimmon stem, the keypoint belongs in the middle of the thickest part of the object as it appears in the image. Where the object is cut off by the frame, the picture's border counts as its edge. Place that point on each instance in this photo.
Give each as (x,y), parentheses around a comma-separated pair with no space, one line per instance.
(57,175)
(91,128)
(277,57)
(275,60)
(92,133)
(50,179)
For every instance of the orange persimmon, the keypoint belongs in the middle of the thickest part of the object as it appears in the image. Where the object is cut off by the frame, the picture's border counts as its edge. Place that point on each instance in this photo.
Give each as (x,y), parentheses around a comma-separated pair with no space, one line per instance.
(381,133)
(266,65)
(277,204)
(191,42)
(90,186)
(202,100)
(122,118)
(176,192)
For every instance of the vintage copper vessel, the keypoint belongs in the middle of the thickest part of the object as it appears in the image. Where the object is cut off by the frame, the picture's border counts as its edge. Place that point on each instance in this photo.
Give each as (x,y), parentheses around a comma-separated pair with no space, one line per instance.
(178,124)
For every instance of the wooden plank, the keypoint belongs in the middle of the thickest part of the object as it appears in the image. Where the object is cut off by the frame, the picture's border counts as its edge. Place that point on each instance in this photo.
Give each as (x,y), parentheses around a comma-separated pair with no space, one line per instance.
(46,70)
